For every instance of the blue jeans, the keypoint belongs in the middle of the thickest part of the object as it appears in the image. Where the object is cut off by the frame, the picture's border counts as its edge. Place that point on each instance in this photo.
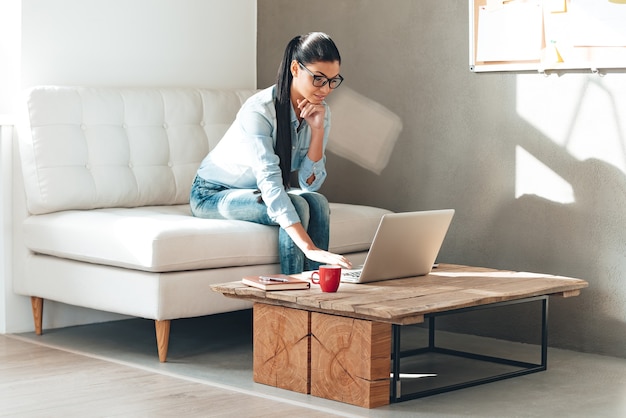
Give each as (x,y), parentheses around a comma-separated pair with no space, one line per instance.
(208,200)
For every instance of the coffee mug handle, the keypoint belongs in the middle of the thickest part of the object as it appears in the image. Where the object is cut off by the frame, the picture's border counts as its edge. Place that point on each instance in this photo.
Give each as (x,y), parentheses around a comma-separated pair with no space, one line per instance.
(313,277)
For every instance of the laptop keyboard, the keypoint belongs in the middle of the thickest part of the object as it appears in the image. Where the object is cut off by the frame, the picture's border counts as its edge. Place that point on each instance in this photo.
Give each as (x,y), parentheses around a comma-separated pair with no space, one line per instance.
(351,275)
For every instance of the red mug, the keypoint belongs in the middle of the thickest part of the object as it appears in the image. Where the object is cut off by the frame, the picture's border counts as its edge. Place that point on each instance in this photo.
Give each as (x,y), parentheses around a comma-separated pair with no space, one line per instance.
(328,277)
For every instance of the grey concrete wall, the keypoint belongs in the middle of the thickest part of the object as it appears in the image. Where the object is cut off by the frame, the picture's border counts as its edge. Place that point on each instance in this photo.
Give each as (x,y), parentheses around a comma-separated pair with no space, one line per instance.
(534,165)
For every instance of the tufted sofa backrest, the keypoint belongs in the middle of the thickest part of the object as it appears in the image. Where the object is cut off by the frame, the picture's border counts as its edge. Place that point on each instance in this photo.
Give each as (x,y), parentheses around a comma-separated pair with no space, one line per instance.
(87,148)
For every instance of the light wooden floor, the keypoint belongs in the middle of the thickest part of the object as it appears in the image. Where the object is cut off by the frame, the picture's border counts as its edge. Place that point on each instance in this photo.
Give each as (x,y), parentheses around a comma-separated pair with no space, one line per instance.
(110,370)
(37,381)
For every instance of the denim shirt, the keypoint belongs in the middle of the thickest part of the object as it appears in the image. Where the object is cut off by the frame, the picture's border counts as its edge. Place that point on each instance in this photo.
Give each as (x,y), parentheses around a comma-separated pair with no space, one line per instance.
(245,158)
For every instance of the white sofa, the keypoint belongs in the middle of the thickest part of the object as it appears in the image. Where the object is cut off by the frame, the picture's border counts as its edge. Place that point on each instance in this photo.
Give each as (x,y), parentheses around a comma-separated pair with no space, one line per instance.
(107,174)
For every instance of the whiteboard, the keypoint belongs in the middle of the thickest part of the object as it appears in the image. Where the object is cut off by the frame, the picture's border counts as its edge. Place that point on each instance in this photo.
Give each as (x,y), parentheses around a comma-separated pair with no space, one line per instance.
(543,35)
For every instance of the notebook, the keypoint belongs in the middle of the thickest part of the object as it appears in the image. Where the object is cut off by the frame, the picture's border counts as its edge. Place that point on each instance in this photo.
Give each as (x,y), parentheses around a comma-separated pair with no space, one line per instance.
(275,282)
(405,245)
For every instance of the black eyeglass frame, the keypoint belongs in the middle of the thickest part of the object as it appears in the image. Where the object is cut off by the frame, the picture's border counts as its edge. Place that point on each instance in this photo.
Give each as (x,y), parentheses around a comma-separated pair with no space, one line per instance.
(317,79)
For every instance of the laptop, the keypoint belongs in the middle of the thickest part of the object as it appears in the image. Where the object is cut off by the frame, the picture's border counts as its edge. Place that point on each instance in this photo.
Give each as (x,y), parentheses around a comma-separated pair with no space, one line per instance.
(406,244)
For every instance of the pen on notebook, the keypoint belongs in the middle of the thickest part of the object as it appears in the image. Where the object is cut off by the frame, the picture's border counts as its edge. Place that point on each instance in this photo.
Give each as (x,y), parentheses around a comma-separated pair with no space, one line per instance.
(272,279)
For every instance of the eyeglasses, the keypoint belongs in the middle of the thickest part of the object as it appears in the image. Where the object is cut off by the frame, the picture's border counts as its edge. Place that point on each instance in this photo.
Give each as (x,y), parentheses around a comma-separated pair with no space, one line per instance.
(322,80)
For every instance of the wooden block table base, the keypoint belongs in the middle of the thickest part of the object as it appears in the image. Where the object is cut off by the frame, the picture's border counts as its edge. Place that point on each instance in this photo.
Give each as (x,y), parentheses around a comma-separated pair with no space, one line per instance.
(333,357)
(350,360)
(281,347)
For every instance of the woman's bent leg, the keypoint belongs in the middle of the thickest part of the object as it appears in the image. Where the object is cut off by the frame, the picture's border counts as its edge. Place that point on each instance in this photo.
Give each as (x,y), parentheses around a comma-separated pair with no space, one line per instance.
(292,259)
(317,221)
(216,202)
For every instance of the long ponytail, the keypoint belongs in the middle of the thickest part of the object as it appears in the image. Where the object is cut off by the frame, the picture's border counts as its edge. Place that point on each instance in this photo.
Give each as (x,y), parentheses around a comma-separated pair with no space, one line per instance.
(283,111)
(313,47)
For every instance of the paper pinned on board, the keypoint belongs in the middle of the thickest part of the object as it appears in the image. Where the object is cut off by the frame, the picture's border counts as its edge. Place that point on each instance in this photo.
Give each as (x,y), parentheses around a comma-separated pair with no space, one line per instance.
(511,32)
(555,6)
(597,23)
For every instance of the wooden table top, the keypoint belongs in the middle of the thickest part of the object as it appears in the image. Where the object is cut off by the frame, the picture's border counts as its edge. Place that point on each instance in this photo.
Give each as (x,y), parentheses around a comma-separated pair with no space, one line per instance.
(406,301)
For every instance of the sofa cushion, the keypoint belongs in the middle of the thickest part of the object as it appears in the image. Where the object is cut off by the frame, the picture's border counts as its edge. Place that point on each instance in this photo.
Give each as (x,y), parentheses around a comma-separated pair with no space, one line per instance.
(168,238)
(87,148)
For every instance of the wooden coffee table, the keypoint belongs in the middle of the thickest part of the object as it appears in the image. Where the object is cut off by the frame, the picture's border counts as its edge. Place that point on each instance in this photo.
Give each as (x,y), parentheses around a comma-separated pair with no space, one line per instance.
(345,346)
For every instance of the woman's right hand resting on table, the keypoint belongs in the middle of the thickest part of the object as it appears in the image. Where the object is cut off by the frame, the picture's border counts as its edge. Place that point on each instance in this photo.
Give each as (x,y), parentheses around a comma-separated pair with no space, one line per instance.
(303,241)
(326,257)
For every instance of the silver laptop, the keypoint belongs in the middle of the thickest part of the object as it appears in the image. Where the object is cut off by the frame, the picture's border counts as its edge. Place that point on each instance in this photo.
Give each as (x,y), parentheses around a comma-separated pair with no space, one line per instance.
(405,245)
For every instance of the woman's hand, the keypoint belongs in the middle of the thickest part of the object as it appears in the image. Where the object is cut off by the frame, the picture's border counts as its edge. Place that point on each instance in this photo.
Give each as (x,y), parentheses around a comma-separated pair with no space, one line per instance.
(314,116)
(326,257)
(312,113)
(303,241)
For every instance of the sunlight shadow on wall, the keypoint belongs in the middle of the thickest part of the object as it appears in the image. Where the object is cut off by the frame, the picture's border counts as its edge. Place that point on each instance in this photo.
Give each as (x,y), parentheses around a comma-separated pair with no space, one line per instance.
(532,177)
(363,131)
(579,114)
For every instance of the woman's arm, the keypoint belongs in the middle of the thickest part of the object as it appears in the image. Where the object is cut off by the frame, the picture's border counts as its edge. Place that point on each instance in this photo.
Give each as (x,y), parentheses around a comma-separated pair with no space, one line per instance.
(316,149)
(314,114)
(303,241)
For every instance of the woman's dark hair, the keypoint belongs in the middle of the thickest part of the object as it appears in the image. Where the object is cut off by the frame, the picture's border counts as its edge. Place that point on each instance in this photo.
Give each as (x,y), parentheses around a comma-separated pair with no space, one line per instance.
(306,49)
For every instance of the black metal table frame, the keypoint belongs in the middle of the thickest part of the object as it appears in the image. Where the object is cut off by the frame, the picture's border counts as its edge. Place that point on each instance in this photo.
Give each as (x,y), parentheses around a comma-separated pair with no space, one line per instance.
(525,367)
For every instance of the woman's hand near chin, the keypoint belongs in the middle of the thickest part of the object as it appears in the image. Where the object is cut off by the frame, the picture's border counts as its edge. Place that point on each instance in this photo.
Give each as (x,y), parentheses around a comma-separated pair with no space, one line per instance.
(313,113)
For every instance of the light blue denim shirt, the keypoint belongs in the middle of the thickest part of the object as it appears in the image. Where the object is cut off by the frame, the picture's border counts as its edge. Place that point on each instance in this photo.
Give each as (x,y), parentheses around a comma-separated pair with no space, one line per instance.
(245,158)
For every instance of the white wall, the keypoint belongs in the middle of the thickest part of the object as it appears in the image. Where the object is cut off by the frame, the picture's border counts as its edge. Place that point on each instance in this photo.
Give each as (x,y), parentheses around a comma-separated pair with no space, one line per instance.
(10,16)
(205,43)
(139,42)
(5,218)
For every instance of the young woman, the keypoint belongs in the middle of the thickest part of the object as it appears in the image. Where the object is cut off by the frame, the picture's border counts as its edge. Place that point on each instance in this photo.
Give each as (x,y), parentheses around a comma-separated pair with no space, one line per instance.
(279,130)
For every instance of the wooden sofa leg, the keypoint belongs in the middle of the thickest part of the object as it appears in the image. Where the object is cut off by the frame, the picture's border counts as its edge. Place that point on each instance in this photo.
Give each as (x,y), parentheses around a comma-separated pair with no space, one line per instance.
(37,304)
(163,338)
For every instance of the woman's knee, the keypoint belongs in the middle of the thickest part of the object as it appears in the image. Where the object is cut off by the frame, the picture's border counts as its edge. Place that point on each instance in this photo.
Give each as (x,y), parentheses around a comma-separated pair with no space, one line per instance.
(302,208)
(318,204)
